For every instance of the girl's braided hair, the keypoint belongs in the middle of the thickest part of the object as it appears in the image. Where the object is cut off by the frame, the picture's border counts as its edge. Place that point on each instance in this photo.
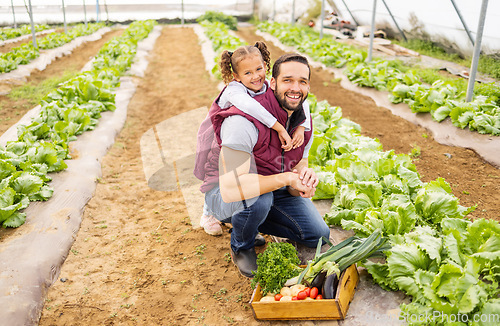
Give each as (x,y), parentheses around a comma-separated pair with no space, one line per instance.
(229,60)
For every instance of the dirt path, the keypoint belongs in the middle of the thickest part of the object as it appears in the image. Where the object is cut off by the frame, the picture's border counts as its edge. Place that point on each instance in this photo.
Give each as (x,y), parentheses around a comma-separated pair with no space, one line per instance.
(473,180)
(11,109)
(136,259)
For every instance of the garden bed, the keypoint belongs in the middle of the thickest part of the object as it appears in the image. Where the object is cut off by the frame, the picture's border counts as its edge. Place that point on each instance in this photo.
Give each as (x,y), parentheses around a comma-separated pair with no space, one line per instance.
(137,259)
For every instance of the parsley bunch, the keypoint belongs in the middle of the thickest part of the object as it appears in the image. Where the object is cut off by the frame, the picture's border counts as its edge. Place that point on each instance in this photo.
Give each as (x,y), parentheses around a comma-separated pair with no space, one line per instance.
(277,264)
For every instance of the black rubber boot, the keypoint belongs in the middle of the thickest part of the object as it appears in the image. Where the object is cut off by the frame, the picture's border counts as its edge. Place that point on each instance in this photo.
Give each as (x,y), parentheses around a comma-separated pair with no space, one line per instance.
(246,261)
(259,240)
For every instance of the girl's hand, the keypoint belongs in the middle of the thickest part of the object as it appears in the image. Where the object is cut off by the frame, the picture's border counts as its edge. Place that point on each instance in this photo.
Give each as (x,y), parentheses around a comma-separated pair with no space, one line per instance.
(286,141)
(298,137)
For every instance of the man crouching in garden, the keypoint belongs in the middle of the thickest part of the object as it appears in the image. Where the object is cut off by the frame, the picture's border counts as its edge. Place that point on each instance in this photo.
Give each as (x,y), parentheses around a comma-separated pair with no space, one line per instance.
(250,181)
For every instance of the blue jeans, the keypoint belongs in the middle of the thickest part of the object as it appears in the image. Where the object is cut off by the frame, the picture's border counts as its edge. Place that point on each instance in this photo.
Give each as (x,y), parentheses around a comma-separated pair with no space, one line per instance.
(276,213)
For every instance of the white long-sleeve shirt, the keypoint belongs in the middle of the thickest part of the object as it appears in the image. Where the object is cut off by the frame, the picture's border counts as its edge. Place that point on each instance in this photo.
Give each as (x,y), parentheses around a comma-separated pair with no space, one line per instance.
(241,97)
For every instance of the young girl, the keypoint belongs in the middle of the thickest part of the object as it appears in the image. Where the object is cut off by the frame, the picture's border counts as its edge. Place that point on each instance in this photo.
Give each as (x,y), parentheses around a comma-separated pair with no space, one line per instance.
(244,73)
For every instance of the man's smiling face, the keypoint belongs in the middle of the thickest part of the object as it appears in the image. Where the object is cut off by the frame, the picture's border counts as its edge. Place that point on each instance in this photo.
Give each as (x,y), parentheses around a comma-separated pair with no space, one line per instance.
(291,87)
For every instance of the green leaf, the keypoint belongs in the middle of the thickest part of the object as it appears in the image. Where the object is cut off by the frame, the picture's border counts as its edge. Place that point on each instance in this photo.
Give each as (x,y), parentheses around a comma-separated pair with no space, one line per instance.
(453,249)
(425,238)
(435,202)
(380,274)
(441,113)
(15,220)
(405,260)
(8,206)
(327,186)
(489,250)
(6,169)
(7,197)
(43,194)
(446,280)
(490,313)
(26,183)
(471,299)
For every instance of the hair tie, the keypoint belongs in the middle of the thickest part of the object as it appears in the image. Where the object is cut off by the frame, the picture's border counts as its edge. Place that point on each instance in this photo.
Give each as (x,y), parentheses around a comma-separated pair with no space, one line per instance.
(230,53)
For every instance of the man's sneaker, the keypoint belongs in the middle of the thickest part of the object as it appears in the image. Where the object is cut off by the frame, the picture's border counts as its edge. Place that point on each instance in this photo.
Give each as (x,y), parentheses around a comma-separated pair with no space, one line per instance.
(210,224)
(246,261)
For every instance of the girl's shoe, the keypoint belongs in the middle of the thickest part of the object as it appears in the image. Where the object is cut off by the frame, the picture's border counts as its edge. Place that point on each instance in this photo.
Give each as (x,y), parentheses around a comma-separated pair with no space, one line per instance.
(210,224)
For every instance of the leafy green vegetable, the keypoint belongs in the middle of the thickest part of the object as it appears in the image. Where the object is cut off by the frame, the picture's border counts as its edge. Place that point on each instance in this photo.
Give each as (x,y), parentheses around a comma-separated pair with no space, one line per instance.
(453,272)
(25,53)
(10,33)
(277,264)
(442,99)
(216,16)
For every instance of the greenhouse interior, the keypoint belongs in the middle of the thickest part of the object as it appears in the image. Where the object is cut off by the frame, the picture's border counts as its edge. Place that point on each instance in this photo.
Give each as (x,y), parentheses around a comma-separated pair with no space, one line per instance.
(334,162)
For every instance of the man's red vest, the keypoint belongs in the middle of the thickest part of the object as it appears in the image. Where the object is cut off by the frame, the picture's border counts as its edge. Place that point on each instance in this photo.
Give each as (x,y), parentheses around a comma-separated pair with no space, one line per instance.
(269,157)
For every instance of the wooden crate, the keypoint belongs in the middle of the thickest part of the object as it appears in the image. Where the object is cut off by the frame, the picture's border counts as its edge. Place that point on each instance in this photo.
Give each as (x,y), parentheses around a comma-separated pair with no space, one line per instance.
(309,309)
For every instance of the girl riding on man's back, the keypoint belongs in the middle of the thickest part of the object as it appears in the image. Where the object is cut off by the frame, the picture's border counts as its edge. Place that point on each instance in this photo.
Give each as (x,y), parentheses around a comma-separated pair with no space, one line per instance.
(244,73)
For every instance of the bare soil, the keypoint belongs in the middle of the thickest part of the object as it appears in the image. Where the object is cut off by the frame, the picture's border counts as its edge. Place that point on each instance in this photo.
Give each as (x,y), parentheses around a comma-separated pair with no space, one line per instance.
(138,261)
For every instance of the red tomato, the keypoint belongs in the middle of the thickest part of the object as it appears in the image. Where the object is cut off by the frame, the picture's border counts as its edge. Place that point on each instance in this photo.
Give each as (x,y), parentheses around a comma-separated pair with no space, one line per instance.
(294,298)
(319,297)
(307,291)
(314,292)
(302,295)
(278,297)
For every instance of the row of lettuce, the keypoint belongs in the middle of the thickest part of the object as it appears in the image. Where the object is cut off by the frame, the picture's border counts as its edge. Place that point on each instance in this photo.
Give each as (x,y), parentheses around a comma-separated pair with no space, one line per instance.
(422,91)
(221,40)
(71,109)
(448,264)
(7,33)
(25,53)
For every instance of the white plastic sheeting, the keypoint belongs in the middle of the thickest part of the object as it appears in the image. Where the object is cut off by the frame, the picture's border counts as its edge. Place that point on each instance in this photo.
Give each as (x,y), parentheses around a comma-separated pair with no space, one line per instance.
(31,256)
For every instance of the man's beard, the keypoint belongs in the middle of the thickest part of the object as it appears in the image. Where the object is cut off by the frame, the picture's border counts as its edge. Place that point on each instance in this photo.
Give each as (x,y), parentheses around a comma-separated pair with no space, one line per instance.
(281,98)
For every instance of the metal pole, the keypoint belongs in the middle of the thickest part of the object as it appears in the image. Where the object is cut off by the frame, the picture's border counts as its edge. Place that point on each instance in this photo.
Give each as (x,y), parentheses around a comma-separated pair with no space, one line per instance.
(467,30)
(477,51)
(322,18)
(372,30)
(350,13)
(13,13)
(85,13)
(293,12)
(97,11)
(274,10)
(394,20)
(182,12)
(32,26)
(64,15)
(107,12)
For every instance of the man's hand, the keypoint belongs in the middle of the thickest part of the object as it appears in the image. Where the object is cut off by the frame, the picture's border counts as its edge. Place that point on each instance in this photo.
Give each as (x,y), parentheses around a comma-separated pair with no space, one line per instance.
(304,184)
(308,177)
